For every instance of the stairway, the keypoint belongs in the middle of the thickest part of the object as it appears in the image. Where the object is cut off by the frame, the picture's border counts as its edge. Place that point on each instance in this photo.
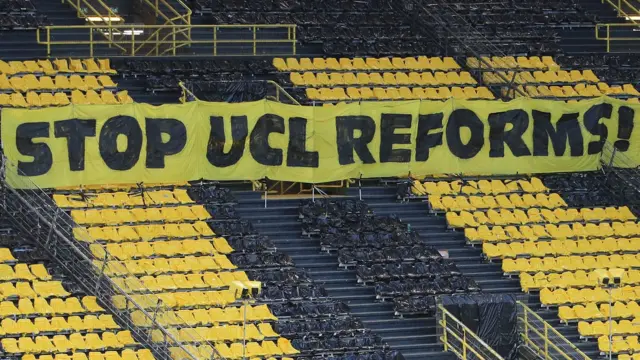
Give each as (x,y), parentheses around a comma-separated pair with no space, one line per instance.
(25,46)
(433,230)
(415,337)
(469,260)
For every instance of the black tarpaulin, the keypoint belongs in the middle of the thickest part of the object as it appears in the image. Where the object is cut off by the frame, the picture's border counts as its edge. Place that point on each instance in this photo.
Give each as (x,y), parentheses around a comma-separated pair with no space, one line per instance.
(493,317)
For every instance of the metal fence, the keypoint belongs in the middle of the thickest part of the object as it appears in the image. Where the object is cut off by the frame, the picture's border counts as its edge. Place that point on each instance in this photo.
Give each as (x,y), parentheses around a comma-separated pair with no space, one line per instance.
(460,340)
(543,338)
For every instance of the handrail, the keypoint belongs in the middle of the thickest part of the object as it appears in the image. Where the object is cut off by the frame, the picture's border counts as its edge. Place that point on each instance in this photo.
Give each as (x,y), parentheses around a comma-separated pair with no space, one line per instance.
(280,89)
(186,91)
(480,351)
(130,43)
(81,14)
(609,38)
(185,20)
(621,12)
(525,314)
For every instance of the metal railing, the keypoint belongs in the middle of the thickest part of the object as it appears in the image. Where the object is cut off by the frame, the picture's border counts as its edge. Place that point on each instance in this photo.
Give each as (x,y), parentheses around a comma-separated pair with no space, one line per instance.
(609,37)
(174,17)
(145,40)
(460,340)
(624,9)
(543,338)
(103,11)
(36,216)
(616,31)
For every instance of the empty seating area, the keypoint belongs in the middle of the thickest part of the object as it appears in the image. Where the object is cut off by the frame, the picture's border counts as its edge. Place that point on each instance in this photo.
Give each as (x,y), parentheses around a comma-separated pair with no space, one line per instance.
(384,253)
(543,78)
(188,261)
(41,319)
(333,27)
(20,15)
(355,79)
(44,83)
(558,235)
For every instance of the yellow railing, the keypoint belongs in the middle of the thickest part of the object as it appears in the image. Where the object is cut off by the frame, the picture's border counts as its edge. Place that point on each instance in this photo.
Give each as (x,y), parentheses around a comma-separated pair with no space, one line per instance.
(624,8)
(543,338)
(174,17)
(609,38)
(103,11)
(280,90)
(123,37)
(460,340)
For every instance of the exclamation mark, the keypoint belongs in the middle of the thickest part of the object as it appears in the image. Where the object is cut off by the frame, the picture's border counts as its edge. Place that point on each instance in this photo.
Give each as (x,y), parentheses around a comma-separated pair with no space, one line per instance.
(625,127)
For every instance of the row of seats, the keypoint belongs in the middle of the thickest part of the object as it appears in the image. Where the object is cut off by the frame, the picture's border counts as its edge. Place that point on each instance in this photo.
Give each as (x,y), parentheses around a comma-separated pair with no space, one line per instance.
(366,64)
(571,263)
(550,297)
(579,90)
(210,316)
(207,280)
(591,311)
(56,306)
(45,83)
(35,100)
(91,66)
(124,199)
(143,232)
(156,266)
(63,343)
(541,77)
(536,216)
(235,350)
(564,231)
(102,188)
(599,328)
(402,93)
(173,214)
(32,290)
(161,248)
(216,333)
(486,187)
(177,300)
(9,326)
(570,279)
(126,354)
(619,344)
(23,272)
(513,201)
(438,78)
(509,62)
(560,247)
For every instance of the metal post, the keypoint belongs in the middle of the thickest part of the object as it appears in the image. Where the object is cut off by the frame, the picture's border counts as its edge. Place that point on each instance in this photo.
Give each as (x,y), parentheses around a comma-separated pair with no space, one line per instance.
(360,187)
(48,41)
(254,40)
(526,323)
(265,196)
(313,193)
(91,42)
(546,341)
(244,329)
(215,41)
(610,324)
(464,344)
(444,332)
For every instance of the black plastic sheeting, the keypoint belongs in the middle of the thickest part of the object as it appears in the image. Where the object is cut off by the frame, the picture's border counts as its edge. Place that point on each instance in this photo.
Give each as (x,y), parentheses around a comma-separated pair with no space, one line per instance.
(492,316)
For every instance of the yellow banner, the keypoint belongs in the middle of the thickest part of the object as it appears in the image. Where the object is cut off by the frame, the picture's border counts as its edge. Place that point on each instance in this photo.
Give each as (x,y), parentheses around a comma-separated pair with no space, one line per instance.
(94,144)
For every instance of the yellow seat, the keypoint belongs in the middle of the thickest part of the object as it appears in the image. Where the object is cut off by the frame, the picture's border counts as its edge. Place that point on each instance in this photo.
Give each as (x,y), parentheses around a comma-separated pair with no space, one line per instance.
(123,97)
(76,66)
(280,64)
(108,98)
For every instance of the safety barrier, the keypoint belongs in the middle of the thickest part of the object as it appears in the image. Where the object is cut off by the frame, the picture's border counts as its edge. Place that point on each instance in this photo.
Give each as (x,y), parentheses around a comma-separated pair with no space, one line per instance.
(617,32)
(542,338)
(171,16)
(165,40)
(85,10)
(460,340)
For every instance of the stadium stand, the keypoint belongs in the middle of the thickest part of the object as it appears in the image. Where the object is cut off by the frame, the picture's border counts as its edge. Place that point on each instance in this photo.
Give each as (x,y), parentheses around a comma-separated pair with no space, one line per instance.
(186,245)
(44,314)
(557,248)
